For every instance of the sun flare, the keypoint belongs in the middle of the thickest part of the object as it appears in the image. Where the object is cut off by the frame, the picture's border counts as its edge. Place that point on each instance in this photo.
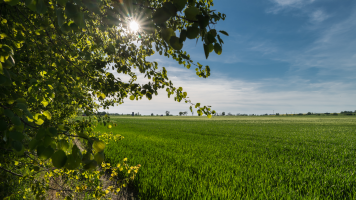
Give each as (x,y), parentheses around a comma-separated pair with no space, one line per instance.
(134,26)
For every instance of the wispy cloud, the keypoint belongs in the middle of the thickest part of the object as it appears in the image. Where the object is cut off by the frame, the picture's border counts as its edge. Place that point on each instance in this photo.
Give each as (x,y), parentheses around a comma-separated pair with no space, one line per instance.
(292,2)
(287,4)
(304,7)
(318,16)
(334,49)
(332,52)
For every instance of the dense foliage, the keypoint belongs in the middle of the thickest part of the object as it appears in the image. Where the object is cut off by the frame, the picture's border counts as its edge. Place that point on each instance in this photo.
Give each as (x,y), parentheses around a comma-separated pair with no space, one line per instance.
(55,62)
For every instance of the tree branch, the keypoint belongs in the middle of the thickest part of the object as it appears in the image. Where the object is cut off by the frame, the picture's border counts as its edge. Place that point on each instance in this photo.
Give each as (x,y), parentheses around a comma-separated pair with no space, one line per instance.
(8,171)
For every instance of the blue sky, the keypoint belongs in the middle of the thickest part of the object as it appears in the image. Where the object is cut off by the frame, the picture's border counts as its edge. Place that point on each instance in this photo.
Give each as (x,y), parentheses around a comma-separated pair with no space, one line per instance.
(285,56)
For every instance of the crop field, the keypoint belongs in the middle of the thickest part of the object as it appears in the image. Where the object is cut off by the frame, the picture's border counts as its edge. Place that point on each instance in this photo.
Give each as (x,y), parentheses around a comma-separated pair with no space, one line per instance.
(269,157)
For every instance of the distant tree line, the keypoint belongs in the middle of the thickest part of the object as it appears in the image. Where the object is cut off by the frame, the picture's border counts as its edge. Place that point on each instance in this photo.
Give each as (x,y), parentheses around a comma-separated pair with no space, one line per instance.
(185,113)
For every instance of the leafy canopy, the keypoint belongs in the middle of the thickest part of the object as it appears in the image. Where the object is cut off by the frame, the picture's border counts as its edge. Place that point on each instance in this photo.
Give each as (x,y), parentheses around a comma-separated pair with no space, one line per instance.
(55,61)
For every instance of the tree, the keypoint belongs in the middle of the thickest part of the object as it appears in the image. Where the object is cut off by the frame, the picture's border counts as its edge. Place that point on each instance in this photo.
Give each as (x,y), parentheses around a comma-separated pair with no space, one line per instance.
(223,113)
(151,114)
(167,113)
(55,60)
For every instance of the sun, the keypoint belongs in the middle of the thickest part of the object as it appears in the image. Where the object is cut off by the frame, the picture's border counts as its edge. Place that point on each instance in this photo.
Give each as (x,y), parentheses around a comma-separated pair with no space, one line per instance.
(134,26)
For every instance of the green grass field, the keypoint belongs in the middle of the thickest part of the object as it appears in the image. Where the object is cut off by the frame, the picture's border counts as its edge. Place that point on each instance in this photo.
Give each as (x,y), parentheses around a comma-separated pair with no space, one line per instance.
(289,157)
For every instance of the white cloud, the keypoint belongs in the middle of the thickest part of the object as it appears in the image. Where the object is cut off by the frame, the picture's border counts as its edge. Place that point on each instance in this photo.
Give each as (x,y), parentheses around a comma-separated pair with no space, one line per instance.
(318,16)
(303,6)
(265,47)
(333,50)
(237,96)
(287,4)
(332,53)
(292,2)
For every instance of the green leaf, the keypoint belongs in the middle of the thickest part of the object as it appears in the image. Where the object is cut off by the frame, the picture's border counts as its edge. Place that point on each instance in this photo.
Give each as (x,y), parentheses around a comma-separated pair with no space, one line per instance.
(8,113)
(79,20)
(109,126)
(87,157)
(11,2)
(59,159)
(33,144)
(41,133)
(82,134)
(192,32)
(91,165)
(180,4)
(39,122)
(74,27)
(170,9)
(206,51)
(28,114)
(15,135)
(10,62)
(98,146)
(44,152)
(16,120)
(167,33)
(41,7)
(21,100)
(76,152)
(209,38)
(210,47)
(31,4)
(132,97)
(191,13)
(174,42)
(53,131)
(92,6)
(203,21)
(44,103)
(224,32)
(65,28)
(72,11)
(17,145)
(62,2)
(73,162)
(60,17)
(47,114)
(63,144)
(109,50)
(1,69)
(183,36)
(99,157)
(217,49)
(3,125)
(21,106)
(47,141)
(160,16)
